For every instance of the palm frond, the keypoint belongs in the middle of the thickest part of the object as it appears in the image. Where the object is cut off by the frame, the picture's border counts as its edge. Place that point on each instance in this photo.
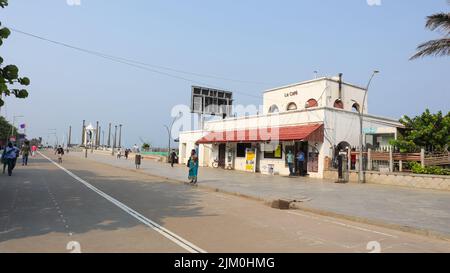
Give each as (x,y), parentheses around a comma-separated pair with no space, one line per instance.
(440,47)
(439,21)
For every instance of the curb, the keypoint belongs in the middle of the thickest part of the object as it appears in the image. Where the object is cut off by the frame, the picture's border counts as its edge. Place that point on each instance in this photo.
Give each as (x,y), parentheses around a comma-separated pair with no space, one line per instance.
(362,220)
(293,205)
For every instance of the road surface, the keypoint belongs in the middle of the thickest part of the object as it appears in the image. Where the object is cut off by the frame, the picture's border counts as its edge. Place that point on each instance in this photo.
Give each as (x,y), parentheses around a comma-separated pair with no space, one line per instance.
(88,206)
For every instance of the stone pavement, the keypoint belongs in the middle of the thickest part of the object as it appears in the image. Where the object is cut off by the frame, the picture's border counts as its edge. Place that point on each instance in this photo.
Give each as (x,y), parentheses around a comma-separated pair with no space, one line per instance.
(407,208)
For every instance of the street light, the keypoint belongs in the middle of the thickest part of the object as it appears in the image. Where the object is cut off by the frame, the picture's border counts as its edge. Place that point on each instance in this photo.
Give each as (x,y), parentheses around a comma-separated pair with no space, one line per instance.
(169,132)
(361,115)
(53,132)
(12,127)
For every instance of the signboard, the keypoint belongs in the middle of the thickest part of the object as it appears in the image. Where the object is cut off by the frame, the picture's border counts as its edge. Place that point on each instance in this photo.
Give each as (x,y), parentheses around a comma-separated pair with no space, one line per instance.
(370,131)
(211,101)
(250,160)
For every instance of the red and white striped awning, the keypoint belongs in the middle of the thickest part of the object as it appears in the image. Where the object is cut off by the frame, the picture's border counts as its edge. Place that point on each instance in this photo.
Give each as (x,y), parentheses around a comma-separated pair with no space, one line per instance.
(308,132)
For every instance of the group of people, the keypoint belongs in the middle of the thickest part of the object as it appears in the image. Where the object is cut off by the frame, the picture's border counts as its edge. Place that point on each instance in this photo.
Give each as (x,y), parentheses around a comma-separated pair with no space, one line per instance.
(11,152)
(291,159)
(126,153)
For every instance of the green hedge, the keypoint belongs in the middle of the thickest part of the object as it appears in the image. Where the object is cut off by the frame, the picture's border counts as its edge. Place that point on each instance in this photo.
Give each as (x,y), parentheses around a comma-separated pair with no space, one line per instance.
(417,168)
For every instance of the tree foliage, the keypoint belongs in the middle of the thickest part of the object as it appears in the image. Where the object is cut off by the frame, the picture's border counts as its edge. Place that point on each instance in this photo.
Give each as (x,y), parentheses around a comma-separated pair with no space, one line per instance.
(10,82)
(439,47)
(146,147)
(5,129)
(429,131)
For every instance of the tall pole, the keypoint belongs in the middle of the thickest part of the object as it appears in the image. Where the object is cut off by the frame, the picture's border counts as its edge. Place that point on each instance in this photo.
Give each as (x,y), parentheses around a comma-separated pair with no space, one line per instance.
(169,132)
(109,136)
(69,139)
(83,132)
(168,150)
(114,141)
(120,135)
(361,116)
(96,136)
(99,136)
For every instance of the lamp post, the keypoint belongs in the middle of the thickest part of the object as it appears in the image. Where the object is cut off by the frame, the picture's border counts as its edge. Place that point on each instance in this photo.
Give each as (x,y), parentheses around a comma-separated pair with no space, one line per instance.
(120,136)
(361,116)
(114,140)
(169,132)
(12,127)
(109,136)
(53,132)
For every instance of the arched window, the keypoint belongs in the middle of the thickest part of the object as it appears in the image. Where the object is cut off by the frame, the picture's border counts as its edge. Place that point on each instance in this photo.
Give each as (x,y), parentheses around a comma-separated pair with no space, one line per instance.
(292,106)
(339,104)
(311,103)
(355,107)
(273,109)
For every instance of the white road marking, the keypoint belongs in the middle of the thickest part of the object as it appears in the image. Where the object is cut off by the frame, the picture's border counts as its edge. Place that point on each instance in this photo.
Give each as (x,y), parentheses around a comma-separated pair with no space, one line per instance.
(163,231)
(343,224)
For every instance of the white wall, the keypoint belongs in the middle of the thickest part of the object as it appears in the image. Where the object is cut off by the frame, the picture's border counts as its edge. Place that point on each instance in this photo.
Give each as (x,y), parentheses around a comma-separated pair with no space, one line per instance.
(325,91)
(299,94)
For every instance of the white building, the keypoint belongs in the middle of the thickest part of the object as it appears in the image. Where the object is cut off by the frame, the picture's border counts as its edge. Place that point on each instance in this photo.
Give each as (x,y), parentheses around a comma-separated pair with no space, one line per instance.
(319,117)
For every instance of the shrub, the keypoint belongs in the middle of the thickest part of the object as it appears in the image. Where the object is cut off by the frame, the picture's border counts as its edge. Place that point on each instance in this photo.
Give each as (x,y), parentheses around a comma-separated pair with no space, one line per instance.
(417,168)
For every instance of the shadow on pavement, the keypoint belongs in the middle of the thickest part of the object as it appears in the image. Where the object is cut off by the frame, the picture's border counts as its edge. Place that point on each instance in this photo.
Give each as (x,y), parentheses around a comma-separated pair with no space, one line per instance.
(40,199)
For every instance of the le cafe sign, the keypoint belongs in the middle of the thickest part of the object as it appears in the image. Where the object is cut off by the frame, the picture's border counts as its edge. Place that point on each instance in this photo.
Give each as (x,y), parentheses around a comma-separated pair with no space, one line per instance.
(291,94)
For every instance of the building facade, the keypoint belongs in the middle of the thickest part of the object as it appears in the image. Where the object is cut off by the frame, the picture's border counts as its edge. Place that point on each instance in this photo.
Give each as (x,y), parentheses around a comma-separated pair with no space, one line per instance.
(318,117)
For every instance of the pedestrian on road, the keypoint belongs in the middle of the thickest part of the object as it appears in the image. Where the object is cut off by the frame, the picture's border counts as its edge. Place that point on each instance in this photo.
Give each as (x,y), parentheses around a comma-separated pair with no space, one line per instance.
(60,153)
(193,167)
(173,158)
(137,160)
(33,150)
(127,151)
(25,151)
(8,157)
(290,161)
(300,162)
(119,153)
(17,153)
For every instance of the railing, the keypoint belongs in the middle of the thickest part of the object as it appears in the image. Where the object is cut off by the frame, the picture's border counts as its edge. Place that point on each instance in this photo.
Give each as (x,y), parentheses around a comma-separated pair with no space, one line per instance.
(390,161)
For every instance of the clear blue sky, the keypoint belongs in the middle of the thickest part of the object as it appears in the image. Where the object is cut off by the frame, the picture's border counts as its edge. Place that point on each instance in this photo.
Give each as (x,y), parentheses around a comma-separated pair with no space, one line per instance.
(278,42)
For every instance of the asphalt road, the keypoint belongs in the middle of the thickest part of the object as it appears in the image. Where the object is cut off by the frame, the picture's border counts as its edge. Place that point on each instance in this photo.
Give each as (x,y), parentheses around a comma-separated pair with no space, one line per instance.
(92,207)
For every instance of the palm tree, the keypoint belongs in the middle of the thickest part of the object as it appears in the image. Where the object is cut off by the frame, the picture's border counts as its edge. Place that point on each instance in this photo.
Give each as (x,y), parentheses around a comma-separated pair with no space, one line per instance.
(438,47)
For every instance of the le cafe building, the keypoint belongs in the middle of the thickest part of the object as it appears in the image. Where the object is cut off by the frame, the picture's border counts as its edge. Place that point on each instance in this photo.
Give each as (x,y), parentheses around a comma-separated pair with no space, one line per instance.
(316,117)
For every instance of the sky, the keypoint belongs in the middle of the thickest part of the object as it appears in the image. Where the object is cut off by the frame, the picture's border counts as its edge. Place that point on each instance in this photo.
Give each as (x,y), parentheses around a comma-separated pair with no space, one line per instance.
(260,43)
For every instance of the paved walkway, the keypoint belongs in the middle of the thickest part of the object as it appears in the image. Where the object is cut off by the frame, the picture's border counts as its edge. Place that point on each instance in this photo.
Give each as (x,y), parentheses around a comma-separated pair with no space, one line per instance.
(416,208)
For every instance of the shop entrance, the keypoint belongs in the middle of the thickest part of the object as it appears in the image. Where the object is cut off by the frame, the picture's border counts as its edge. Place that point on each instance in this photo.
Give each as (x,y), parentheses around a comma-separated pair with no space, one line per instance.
(301,147)
(296,148)
(222,154)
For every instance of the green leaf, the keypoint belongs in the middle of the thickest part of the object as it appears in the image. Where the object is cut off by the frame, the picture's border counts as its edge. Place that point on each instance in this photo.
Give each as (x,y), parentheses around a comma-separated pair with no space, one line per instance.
(22,94)
(3,3)
(24,81)
(10,72)
(5,32)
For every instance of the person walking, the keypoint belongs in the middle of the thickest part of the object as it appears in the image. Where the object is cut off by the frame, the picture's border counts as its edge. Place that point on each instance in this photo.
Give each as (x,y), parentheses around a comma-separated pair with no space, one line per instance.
(25,151)
(290,162)
(17,153)
(60,153)
(137,160)
(193,167)
(300,162)
(8,157)
(33,150)
(173,158)
(127,151)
